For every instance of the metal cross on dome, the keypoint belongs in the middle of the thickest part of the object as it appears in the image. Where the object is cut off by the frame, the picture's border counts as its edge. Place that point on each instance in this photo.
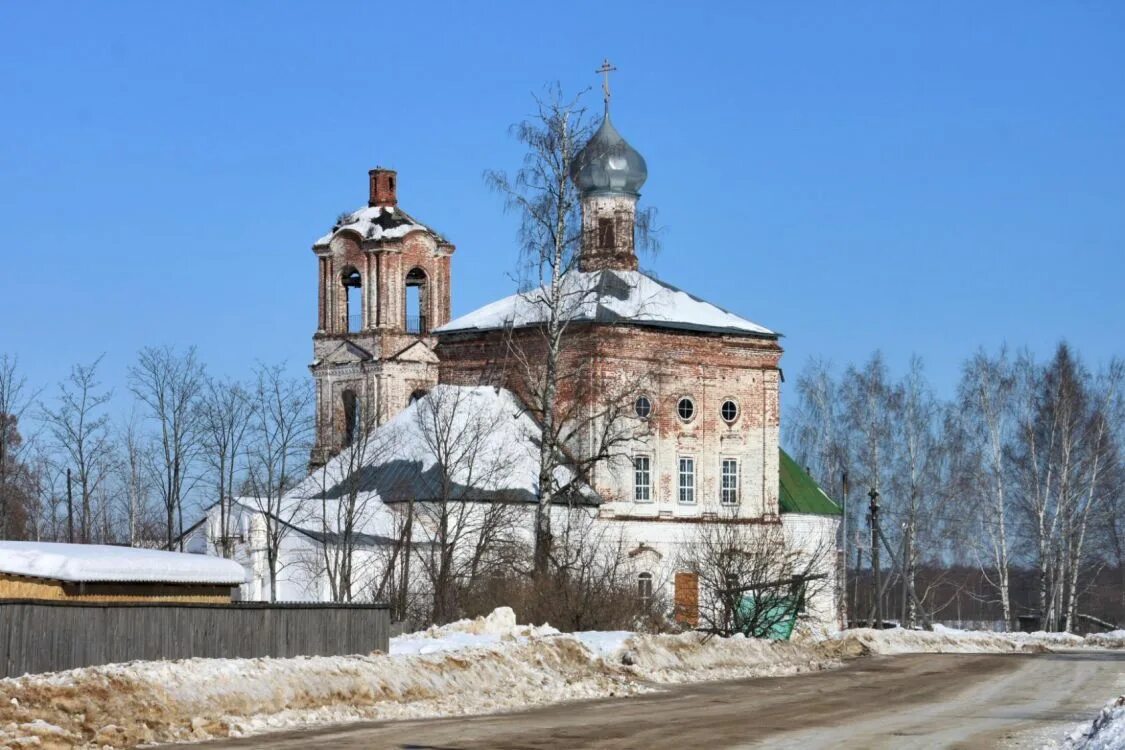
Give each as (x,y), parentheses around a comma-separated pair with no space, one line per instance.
(606,68)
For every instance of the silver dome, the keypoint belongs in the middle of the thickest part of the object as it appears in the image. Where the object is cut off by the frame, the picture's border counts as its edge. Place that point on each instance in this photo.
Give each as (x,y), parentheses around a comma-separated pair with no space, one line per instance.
(607,164)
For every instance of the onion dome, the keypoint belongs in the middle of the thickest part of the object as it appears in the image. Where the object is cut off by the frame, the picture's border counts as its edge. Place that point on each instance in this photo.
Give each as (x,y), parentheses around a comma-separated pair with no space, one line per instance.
(608,165)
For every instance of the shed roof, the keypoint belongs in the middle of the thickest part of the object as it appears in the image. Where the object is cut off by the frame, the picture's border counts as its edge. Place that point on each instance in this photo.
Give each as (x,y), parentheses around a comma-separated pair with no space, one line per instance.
(800,494)
(103,563)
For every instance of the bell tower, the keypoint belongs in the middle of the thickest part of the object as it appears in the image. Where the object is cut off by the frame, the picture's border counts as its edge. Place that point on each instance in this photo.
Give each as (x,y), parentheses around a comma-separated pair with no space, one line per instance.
(383,284)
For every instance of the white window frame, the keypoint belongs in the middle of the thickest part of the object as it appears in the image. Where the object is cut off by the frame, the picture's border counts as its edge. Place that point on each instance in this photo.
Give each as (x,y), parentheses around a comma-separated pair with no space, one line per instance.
(694,409)
(736,478)
(737,410)
(647,485)
(645,580)
(685,489)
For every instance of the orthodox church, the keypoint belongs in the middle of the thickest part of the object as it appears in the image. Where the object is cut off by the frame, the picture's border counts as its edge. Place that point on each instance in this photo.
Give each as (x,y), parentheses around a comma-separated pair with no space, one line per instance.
(706,382)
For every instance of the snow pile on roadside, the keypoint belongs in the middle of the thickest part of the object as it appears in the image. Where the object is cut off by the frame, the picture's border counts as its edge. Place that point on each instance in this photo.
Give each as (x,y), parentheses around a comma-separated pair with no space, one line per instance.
(695,657)
(939,641)
(1105,732)
(499,626)
(469,667)
(1112,639)
(195,699)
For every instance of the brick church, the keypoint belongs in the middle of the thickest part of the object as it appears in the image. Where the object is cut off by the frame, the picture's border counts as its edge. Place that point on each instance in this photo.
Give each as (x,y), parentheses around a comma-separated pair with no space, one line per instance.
(707,381)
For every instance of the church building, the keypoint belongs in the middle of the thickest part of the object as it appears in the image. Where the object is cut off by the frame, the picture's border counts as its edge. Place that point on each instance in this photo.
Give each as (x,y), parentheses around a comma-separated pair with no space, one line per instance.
(703,400)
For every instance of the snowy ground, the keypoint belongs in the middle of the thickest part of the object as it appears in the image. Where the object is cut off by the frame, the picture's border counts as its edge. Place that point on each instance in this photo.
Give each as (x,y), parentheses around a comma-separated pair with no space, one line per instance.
(481,666)
(1107,730)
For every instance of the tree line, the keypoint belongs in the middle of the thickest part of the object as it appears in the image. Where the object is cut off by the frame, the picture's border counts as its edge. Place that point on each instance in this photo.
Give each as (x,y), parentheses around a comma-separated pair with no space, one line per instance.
(1017,475)
(72,471)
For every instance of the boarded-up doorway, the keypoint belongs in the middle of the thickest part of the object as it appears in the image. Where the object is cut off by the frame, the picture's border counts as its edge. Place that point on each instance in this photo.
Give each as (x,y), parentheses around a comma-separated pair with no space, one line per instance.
(687,599)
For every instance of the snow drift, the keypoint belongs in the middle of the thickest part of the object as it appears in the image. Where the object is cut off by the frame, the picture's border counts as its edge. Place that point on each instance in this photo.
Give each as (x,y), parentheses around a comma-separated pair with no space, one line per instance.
(468,667)
(1105,732)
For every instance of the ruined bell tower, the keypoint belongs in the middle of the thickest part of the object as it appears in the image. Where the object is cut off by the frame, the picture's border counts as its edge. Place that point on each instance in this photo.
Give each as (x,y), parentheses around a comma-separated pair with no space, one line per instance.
(382,286)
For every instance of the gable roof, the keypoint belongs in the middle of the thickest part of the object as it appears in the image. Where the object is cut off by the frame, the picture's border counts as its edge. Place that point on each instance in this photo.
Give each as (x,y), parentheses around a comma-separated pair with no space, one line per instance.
(800,494)
(493,454)
(611,296)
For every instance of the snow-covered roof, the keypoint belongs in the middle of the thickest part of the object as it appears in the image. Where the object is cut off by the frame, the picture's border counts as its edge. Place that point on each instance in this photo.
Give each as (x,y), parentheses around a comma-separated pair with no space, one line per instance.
(377,223)
(494,454)
(92,563)
(611,296)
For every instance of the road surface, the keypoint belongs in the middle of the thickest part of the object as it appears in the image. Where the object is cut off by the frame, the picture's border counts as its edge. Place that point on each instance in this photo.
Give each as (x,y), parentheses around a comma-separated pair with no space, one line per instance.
(916,701)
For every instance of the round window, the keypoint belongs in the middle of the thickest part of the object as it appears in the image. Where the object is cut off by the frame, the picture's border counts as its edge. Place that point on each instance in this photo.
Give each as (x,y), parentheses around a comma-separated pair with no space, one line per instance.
(729,411)
(686,409)
(643,407)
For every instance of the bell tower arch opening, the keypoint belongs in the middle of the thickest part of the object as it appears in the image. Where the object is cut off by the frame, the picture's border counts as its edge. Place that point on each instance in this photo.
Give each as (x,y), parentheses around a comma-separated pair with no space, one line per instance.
(416,302)
(352,281)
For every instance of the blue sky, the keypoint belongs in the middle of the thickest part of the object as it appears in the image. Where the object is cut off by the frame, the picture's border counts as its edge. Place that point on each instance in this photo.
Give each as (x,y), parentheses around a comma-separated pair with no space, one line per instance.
(922,178)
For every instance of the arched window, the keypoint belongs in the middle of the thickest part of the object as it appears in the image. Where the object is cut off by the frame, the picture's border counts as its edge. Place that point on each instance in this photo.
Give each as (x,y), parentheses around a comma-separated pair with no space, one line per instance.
(644,588)
(351,416)
(419,393)
(416,301)
(353,298)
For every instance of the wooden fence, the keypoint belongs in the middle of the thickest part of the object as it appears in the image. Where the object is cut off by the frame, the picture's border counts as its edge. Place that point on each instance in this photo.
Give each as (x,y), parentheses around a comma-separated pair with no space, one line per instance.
(43,636)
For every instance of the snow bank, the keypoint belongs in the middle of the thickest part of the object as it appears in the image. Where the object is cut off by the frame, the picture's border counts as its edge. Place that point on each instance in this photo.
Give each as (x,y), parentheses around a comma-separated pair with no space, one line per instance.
(1112,639)
(498,627)
(1105,732)
(468,667)
(944,640)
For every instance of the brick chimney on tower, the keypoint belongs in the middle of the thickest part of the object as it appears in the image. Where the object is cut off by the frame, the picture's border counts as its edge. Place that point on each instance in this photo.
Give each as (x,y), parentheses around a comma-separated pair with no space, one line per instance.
(382,182)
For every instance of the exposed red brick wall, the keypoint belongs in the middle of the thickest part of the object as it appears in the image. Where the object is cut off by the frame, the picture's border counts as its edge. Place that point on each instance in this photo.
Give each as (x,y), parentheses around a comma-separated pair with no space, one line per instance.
(686,609)
(382,187)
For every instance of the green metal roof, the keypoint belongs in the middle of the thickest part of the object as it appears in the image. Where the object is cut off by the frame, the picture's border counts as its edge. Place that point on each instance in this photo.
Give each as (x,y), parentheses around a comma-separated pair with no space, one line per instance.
(800,494)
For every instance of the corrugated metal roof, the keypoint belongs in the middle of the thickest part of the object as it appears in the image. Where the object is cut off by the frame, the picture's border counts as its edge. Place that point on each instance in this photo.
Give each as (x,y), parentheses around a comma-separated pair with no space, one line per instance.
(800,494)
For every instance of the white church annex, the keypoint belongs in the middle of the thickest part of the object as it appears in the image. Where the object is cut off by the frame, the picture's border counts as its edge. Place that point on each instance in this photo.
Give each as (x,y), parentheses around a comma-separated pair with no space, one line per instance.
(402,386)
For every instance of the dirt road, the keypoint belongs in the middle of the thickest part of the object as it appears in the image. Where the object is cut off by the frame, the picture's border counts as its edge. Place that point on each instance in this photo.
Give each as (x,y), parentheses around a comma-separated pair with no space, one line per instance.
(917,701)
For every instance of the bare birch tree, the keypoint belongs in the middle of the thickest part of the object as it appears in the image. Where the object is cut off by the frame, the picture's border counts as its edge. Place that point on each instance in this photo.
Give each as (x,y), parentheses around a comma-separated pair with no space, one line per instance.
(280,432)
(225,414)
(79,425)
(549,373)
(985,398)
(346,505)
(867,396)
(135,480)
(168,384)
(468,512)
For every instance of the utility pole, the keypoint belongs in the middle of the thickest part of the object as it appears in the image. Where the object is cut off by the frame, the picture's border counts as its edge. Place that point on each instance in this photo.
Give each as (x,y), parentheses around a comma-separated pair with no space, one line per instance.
(877,606)
(69,509)
(844,550)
